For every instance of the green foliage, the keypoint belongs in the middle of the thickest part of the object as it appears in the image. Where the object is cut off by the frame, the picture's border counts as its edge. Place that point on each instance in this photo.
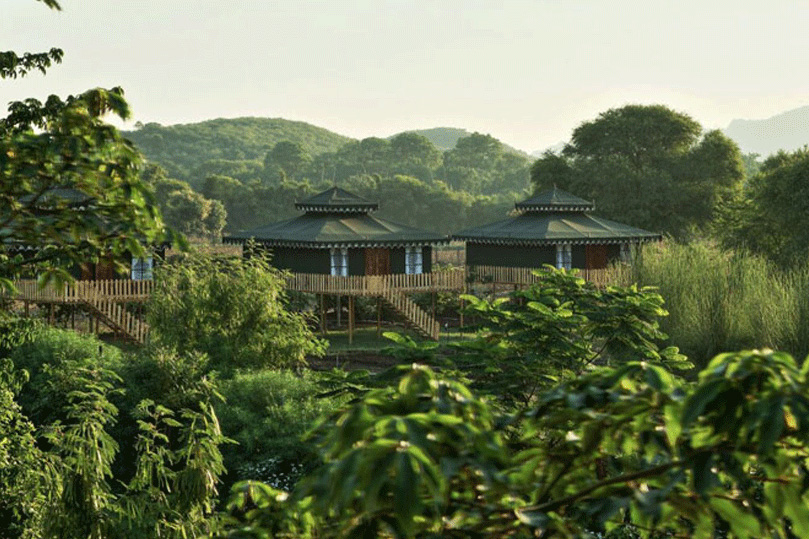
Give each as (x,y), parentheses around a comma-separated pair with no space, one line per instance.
(183,209)
(289,157)
(15,331)
(71,189)
(25,471)
(267,413)
(556,329)
(622,446)
(769,219)
(84,506)
(393,463)
(54,359)
(231,309)
(13,65)
(647,166)
(721,301)
(181,148)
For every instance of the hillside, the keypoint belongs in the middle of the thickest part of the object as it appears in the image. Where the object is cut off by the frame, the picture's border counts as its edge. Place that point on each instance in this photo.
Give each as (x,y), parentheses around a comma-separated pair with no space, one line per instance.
(786,131)
(181,148)
(445,138)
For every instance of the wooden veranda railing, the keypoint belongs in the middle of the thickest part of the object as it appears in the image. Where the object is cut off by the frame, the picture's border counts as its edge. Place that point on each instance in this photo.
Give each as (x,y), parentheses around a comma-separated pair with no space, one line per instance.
(376,285)
(616,275)
(120,290)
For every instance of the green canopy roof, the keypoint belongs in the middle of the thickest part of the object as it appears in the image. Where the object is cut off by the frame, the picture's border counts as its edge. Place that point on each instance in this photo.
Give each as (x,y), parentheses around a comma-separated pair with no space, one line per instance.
(555,217)
(336,200)
(322,228)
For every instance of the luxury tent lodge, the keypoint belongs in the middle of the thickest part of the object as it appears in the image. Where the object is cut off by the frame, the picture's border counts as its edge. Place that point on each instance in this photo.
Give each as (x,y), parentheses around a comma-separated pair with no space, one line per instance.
(110,292)
(555,228)
(338,248)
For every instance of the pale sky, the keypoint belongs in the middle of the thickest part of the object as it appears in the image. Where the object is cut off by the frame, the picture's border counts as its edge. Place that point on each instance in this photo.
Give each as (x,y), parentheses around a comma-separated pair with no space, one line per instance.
(524,71)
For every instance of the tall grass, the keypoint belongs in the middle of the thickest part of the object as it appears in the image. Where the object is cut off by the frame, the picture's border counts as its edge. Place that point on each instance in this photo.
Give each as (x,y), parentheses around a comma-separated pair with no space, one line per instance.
(720,301)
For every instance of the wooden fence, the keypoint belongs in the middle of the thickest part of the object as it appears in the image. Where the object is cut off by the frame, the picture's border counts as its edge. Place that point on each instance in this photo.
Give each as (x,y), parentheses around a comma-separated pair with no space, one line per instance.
(376,285)
(118,290)
(617,275)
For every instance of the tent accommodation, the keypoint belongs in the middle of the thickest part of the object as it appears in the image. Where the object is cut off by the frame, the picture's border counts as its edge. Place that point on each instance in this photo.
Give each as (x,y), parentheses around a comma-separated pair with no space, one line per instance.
(338,248)
(338,236)
(110,288)
(553,227)
(47,208)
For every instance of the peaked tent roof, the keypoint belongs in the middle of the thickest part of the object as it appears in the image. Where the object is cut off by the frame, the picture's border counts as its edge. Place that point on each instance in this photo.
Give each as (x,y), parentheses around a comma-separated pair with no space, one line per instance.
(539,229)
(336,200)
(336,218)
(555,200)
(553,217)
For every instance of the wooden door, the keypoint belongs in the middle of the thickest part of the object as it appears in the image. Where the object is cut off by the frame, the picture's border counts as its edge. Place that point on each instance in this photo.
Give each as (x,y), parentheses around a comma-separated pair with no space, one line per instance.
(596,256)
(105,270)
(377,261)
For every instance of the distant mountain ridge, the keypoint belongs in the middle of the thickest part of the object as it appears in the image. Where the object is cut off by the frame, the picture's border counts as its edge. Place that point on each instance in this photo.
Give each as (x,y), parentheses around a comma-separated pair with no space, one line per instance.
(785,131)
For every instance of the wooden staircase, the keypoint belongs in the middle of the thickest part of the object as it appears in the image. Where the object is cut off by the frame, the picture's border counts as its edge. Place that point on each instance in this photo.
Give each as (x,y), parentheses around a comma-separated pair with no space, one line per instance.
(420,319)
(117,318)
(106,300)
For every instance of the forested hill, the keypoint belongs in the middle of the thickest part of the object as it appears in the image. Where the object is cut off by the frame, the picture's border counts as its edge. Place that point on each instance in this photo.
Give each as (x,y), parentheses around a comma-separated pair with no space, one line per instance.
(786,131)
(181,148)
(445,138)
(246,172)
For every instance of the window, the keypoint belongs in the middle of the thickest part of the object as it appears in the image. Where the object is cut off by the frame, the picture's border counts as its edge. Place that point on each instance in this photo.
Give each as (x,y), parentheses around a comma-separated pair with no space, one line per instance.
(339,262)
(564,257)
(626,253)
(142,268)
(413,260)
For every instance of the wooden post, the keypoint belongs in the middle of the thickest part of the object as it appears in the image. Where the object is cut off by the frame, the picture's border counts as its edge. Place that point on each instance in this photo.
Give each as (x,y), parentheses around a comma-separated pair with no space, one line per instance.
(73,318)
(27,306)
(433,303)
(50,314)
(460,314)
(379,317)
(323,314)
(350,319)
(339,312)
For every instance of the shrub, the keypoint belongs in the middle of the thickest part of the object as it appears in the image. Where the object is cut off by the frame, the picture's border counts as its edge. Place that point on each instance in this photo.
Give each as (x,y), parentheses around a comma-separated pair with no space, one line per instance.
(267,413)
(50,357)
(231,309)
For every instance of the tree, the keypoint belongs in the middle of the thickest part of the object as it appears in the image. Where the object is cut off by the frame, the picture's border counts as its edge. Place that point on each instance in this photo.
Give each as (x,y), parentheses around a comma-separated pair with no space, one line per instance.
(69,184)
(770,217)
(231,309)
(482,164)
(291,157)
(648,166)
(415,155)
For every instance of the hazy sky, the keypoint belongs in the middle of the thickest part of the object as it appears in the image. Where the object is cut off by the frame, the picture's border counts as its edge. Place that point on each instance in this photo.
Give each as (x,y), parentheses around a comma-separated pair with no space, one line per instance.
(527,72)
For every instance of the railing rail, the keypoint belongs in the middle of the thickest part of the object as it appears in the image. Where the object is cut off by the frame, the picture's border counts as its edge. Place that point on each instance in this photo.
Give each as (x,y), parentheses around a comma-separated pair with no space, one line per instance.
(374,285)
(615,275)
(120,290)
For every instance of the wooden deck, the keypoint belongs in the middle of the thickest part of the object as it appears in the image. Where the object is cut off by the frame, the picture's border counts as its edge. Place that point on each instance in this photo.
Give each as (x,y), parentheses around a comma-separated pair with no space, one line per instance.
(377,285)
(617,275)
(106,300)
